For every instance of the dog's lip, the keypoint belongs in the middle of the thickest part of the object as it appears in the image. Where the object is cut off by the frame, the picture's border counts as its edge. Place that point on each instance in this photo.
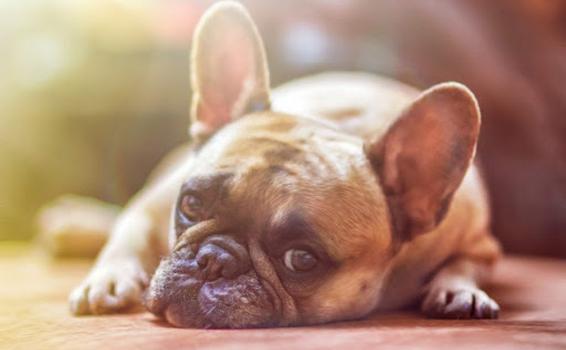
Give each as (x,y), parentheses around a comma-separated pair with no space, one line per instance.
(274,298)
(170,313)
(157,304)
(154,305)
(252,306)
(170,316)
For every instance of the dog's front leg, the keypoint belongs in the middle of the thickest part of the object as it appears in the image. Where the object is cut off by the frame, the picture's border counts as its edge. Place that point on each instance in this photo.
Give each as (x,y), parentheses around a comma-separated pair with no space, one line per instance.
(454,292)
(121,271)
(137,241)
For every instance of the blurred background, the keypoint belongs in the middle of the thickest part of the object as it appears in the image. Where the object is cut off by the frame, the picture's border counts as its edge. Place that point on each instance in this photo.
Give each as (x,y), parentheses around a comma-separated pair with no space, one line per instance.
(94,92)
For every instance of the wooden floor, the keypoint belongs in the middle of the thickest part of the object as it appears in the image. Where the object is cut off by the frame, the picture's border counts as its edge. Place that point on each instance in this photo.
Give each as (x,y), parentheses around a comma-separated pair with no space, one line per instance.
(33,315)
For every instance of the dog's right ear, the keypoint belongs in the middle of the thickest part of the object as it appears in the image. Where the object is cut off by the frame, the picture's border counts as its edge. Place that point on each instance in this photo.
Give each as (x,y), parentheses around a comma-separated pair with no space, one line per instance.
(229,75)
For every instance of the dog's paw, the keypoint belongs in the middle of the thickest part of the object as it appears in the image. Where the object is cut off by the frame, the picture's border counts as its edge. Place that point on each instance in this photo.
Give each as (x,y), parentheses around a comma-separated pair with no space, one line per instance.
(463,303)
(109,287)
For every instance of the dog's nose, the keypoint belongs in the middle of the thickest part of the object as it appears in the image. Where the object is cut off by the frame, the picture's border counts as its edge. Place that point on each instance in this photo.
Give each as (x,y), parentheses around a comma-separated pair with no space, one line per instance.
(222,256)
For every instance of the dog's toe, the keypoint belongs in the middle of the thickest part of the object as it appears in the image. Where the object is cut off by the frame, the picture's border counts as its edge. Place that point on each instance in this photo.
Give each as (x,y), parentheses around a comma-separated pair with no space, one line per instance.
(459,304)
(78,300)
(109,289)
(102,299)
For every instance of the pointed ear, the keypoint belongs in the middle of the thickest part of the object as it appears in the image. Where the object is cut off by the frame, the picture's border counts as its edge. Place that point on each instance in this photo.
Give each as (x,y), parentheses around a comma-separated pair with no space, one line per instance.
(229,75)
(423,157)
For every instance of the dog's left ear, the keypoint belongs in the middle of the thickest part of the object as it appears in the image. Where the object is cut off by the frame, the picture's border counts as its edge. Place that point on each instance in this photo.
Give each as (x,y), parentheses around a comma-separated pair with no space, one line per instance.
(423,157)
(229,75)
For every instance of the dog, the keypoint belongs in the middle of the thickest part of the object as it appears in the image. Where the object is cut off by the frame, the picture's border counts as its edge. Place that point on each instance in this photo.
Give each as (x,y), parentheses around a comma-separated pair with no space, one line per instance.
(326,199)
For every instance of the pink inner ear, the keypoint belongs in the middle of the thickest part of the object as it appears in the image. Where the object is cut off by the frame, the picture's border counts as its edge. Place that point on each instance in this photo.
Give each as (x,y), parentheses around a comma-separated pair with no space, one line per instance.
(424,156)
(229,70)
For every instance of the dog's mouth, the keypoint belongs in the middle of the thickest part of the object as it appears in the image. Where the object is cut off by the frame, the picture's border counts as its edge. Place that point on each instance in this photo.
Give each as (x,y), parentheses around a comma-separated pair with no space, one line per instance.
(182,294)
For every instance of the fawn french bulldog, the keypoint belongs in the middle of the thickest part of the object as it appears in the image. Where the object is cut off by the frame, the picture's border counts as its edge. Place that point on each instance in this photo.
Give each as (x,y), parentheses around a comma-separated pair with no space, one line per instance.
(326,199)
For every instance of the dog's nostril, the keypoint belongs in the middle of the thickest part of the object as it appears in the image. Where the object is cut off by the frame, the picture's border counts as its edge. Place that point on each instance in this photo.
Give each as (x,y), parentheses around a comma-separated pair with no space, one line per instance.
(214,268)
(231,267)
(215,262)
(222,257)
(202,260)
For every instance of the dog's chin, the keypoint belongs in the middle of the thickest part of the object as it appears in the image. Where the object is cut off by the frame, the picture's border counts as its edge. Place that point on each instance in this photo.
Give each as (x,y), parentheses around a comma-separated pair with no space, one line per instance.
(179,294)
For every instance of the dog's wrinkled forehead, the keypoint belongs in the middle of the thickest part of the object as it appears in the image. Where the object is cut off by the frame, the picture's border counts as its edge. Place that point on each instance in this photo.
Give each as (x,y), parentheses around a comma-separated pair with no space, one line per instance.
(279,143)
(269,157)
(268,165)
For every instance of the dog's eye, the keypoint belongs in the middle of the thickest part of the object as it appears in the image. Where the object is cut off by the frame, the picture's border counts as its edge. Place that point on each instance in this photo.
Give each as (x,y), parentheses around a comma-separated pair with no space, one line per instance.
(298,260)
(191,206)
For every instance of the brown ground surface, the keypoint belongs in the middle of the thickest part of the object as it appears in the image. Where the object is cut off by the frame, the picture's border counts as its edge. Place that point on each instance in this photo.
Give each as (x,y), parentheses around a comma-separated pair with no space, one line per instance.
(33,315)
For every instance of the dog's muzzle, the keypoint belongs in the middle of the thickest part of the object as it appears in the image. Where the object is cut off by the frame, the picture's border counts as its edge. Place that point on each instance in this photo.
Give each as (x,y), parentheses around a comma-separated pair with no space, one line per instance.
(213,286)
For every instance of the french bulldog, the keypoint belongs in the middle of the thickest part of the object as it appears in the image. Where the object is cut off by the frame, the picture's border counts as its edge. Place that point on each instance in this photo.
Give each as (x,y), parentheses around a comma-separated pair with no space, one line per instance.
(326,199)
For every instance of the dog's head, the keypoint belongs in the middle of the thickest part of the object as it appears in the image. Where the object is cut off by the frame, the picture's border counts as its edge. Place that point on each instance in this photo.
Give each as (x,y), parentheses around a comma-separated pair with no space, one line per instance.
(285,220)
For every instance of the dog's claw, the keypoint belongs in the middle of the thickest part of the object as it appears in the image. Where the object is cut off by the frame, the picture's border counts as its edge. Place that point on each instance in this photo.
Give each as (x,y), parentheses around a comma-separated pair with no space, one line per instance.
(460,304)
(78,300)
(109,288)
